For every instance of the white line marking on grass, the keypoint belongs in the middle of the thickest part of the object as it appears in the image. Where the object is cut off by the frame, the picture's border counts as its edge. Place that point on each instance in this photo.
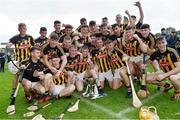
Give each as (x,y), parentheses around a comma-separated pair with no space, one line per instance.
(119,115)
(130,109)
(99,107)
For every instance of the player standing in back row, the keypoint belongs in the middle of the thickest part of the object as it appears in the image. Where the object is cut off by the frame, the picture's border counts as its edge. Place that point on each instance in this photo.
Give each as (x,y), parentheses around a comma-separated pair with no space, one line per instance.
(22,42)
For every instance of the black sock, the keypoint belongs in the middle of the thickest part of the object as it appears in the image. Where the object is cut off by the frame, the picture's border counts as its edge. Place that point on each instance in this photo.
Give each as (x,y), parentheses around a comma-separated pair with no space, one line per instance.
(12,101)
(46,93)
(13,90)
(100,90)
(143,87)
(129,89)
(12,94)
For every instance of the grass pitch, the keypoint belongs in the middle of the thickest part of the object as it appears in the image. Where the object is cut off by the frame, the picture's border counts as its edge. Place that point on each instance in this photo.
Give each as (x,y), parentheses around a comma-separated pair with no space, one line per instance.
(113,106)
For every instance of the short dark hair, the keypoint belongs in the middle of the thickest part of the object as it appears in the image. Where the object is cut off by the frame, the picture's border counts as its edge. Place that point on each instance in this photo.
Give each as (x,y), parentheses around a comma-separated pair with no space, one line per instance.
(92,22)
(133,16)
(161,37)
(67,38)
(103,25)
(144,26)
(57,22)
(108,41)
(73,46)
(34,48)
(93,34)
(84,26)
(118,15)
(104,18)
(99,38)
(114,25)
(129,27)
(83,20)
(162,29)
(54,56)
(43,29)
(21,25)
(68,26)
(54,36)
(85,47)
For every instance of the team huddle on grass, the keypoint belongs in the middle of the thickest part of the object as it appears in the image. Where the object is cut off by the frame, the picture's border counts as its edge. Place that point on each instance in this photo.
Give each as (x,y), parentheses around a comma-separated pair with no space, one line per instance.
(83,59)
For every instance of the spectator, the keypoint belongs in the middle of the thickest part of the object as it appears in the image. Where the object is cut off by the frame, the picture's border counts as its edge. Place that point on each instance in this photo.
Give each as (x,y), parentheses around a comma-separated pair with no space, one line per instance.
(177,46)
(173,39)
(163,31)
(2,60)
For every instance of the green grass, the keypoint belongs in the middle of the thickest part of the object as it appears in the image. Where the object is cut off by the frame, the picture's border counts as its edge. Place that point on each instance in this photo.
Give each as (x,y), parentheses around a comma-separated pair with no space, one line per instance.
(102,108)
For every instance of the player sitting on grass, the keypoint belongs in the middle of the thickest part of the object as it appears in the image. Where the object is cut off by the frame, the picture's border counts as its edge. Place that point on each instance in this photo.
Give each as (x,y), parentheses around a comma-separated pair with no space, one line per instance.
(53,48)
(168,60)
(60,86)
(34,81)
(72,60)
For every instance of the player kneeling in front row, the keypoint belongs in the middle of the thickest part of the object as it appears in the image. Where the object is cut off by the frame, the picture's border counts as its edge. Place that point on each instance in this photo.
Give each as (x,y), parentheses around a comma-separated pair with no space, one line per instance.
(118,67)
(86,70)
(135,48)
(168,60)
(78,67)
(34,81)
(101,59)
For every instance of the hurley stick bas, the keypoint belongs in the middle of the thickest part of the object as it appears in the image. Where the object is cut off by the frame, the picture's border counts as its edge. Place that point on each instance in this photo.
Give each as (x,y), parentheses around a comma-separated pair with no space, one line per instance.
(136,102)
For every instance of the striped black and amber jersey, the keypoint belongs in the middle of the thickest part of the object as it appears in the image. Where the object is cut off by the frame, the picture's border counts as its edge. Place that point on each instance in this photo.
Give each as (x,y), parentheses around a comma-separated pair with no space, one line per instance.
(57,80)
(22,46)
(103,36)
(166,60)
(95,31)
(90,46)
(66,50)
(115,37)
(40,41)
(136,28)
(150,40)
(132,48)
(116,59)
(58,33)
(63,36)
(60,80)
(48,50)
(101,59)
(72,63)
(82,65)
(83,40)
(138,25)
(122,28)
